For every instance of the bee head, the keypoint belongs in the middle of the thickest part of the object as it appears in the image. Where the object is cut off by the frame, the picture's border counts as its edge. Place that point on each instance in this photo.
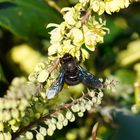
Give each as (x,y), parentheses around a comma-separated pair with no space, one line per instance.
(66,58)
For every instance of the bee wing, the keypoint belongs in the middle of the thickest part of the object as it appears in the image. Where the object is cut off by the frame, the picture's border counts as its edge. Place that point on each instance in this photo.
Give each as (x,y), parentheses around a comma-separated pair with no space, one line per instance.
(56,86)
(89,80)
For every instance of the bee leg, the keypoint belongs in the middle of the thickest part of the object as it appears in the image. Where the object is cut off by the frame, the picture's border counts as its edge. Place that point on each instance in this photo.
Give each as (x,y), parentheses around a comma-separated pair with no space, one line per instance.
(80,57)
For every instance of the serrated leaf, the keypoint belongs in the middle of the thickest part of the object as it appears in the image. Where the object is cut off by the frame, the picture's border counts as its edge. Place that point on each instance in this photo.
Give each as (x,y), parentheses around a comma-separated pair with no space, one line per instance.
(27,18)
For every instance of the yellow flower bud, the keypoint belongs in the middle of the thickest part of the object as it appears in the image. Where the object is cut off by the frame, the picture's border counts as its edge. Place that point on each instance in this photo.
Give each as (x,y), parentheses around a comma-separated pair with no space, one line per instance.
(115,6)
(95,5)
(102,8)
(112,6)
(56,35)
(77,36)
(90,40)
(54,48)
(69,17)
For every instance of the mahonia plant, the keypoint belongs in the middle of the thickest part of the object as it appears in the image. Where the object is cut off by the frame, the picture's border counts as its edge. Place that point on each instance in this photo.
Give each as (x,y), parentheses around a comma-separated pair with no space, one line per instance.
(25,111)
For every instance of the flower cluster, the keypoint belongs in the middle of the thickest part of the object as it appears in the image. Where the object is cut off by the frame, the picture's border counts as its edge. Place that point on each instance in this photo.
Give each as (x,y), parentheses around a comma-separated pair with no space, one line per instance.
(12,107)
(60,117)
(80,27)
(22,108)
(108,6)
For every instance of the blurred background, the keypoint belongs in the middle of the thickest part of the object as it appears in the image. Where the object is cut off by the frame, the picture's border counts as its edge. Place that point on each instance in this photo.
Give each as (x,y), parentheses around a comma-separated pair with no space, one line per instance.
(24,41)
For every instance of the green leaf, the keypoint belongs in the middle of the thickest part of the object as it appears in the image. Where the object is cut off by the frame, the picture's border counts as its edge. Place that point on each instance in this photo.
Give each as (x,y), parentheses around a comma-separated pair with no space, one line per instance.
(128,126)
(27,18)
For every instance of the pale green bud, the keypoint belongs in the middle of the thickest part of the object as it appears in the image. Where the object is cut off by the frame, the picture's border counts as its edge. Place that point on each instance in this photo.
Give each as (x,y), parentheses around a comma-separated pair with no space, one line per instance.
(90,102)
(100,94)
(82,107)
(53,120)
(43,131)
(59,125)
(52,126)
(43,75)
(37,115)
(91,93)
(65,122)
(60,117)
(72,118)
(88,107)
(98,102)
(69,115)
(75,108)
(39,107)
(29,112)
(29,135)
(80,114)
(39,136)
(50,132)
(94,99)
(25,121)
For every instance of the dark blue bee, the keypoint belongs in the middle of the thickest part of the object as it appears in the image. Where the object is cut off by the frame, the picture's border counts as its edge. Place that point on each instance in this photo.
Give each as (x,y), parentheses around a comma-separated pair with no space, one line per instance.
(72,73)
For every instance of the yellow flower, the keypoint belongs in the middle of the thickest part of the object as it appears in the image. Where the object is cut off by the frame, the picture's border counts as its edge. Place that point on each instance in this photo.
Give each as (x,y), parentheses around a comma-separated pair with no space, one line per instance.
(92,37)
(115,5)
(69,17)
(112,6)
(124,3)
(90,40)
(83,2)
(102,8)
(77,36)
(98,6)
(56,35)
(67,46)
(54,48)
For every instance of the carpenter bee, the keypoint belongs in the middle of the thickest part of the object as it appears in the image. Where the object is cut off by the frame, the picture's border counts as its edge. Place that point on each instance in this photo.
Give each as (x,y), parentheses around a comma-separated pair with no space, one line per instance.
(72,73)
